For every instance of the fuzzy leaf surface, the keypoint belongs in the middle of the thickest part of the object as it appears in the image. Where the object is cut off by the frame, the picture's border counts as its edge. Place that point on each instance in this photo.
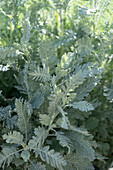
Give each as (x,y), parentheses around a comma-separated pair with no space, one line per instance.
(23,118)
(51,157)
(82,105)
(14,137)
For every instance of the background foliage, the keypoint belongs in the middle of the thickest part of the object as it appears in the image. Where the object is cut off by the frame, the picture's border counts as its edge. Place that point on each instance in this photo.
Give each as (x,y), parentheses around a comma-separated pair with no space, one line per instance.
(56,84)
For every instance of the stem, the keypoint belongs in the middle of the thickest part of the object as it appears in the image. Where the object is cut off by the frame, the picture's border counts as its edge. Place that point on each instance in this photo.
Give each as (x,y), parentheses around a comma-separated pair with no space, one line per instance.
(101,11)
(26,82)
(11,32)
(94,6)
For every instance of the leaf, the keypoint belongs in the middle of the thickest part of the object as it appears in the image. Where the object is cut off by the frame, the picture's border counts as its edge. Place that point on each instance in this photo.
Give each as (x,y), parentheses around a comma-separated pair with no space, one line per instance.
(66,60)
(14,137)
(41,74)
(44,119)
(79,130)
(23,117)
(75,80)
(54,100)
(68,38)
(52,157)
(47,55)
(25,155)
(26,30)
(108,92)
(37,166)
(7,155)
(5,115)
(37,100)
(9,52)
(83,90)
(59,75)
(82,105)
(41,134)
(83,146)
(65,122)
(75,162)
(38,139)
(84,44)
(18,161)
(63,140)
(84,149)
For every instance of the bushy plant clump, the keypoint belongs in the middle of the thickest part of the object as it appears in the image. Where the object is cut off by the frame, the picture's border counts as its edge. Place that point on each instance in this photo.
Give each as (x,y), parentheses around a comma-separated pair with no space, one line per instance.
(56,85)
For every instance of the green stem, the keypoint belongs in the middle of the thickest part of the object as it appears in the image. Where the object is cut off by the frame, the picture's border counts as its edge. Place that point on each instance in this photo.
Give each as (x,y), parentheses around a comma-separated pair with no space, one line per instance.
(94,6)
(11,32)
